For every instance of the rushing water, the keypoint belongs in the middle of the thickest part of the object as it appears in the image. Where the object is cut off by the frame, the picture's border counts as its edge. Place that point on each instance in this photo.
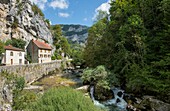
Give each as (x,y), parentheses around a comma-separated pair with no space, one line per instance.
(115,104)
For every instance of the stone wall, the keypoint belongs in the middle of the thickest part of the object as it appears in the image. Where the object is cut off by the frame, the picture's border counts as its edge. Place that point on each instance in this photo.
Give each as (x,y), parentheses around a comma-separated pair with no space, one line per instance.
(32,72)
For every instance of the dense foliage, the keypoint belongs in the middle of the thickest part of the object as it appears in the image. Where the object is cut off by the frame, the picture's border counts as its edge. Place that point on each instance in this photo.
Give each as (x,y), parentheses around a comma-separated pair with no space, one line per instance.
(63,99)
(77,54)
(62,46)
(133,42)
(1,48)
(60,42)
(19,43)
(99,76)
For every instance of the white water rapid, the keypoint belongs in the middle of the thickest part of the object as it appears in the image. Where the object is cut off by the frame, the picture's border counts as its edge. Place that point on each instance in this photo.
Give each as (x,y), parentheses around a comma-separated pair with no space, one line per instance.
(117,100)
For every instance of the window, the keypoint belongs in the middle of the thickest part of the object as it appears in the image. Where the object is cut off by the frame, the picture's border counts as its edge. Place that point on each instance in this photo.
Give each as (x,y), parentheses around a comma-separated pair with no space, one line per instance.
(20,54)
(11,54)
(45,51)
(11,61)
(48,51)
(40,50)
(45,56)
(20,61)
(48,56)
(41,56)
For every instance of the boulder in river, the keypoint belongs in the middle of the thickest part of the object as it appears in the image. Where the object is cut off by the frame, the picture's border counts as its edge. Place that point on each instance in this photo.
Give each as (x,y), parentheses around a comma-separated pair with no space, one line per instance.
(149,103)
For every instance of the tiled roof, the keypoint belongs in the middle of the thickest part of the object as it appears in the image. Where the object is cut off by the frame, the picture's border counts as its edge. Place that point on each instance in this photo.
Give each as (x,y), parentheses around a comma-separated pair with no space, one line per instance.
(9,47)
(42,45)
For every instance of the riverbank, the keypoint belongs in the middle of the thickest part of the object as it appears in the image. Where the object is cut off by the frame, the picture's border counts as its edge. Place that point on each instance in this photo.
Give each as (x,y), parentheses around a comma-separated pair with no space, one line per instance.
(71,78)
(65,78)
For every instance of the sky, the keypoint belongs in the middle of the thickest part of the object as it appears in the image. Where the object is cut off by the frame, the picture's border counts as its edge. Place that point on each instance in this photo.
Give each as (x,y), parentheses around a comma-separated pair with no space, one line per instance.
(81,12)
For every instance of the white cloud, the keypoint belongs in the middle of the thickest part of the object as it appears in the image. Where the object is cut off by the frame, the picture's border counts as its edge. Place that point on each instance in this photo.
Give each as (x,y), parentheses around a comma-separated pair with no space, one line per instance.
(50,22)
(85,19)
(61,4)
(65,15)
(103,7)
(40,3)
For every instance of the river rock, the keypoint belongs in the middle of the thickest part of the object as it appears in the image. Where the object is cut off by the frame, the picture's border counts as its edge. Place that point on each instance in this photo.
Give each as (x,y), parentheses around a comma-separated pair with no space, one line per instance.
(102,94)
(85,88)
(149,103)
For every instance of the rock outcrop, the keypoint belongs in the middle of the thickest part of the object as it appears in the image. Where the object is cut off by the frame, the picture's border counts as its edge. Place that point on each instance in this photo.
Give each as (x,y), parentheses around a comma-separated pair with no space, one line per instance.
(18,20)
(5,95)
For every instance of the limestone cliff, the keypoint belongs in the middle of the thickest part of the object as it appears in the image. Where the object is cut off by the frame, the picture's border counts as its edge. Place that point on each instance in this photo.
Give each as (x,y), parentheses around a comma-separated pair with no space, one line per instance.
(18,20)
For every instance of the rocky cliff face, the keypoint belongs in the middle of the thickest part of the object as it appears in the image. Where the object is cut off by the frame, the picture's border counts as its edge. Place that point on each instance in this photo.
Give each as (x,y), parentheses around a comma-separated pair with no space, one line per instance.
(17,20)
(75,33)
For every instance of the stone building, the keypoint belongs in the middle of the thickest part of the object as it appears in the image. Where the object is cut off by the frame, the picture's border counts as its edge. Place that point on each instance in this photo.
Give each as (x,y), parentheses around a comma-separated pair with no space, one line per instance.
(13,56)
(40,52)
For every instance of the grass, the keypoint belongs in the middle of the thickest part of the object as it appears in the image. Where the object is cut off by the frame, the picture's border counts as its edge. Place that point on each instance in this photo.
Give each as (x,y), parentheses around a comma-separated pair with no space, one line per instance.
(54,81)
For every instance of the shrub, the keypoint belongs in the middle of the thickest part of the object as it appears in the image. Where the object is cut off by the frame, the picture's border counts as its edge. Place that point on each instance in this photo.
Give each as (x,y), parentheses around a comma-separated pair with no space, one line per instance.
(1,48)
(22,100)
(19,43)
(99,76)
(63,99)
(15,23)
(48,22)
(36,10)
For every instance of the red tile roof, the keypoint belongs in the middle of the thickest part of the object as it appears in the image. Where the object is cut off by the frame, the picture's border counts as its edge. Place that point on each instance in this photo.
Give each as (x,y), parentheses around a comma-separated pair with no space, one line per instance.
(10,47)
(42,45)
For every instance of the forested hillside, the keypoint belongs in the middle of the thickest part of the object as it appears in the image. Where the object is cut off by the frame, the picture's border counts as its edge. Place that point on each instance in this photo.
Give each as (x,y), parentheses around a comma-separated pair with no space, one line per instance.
(133,42)
(65,45)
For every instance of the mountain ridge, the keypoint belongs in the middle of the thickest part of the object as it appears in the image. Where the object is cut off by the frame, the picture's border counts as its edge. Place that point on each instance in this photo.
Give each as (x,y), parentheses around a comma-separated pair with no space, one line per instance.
(75,33)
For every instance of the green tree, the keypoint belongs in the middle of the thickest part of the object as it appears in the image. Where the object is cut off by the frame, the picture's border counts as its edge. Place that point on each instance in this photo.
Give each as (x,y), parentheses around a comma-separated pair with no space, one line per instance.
(60,42)
(77,54)
(92,50)
(1,48)
(65,46)
(99,76)
(100,15)
(134,44)
(19,43)
(57,32)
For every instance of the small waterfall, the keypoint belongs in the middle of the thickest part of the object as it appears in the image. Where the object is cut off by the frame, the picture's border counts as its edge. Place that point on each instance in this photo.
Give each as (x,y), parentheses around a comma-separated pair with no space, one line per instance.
(117,101)
(93,99)
(92,92)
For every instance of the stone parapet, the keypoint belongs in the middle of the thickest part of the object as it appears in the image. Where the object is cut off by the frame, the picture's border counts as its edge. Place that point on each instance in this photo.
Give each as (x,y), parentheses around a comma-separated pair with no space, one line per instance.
(32,72)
